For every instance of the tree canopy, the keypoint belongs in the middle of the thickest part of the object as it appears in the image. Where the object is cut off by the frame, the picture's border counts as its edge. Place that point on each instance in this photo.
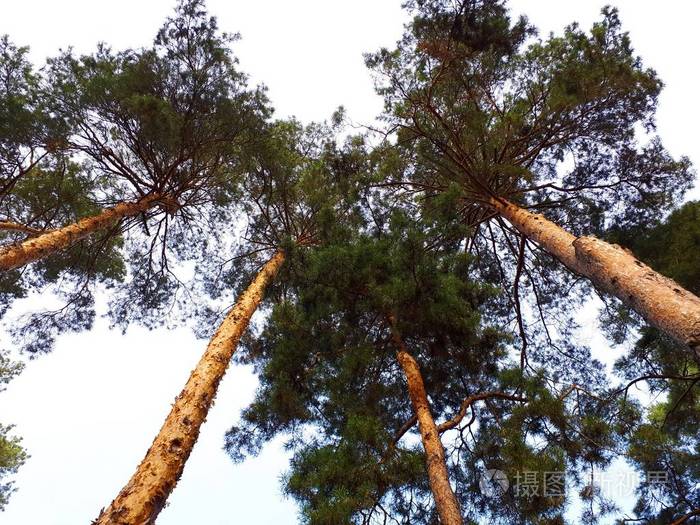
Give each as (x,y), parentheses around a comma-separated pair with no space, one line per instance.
(164,126)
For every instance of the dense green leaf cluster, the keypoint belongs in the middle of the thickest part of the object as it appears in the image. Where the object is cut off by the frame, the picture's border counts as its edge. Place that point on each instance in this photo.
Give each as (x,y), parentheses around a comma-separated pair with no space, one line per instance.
(330,384)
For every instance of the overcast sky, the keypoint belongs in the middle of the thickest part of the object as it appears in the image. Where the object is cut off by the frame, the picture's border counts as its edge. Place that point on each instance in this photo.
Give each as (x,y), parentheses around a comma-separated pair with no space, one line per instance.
(89,410)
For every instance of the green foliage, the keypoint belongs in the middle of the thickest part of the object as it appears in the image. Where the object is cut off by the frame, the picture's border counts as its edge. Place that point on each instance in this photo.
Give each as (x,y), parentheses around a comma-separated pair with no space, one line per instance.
(27,131)
(12,455)
(169,119)
(332,368)
(41,190)
(331,384)
(300,190)
(481,108)
(334,481)
(669,246)
(478,103)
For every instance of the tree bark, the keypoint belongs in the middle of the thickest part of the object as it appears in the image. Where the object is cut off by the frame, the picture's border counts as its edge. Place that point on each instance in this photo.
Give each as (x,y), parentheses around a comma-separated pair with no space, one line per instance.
(615,270)
(445,499)
(17,255)
(144,496)
(17,227)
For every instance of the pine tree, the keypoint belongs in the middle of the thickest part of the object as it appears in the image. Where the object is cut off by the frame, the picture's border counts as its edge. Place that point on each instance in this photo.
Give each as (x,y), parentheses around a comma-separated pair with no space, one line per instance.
(160,126)
(154,140)
(445,500)
(293,193)
(519,125)
(394,272)
(331,382)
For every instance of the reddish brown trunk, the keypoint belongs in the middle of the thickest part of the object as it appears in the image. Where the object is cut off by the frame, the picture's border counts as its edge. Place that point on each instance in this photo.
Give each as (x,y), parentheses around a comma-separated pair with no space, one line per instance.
(144,496)
(14,226)
(445,499)
(613,269)
(33,249)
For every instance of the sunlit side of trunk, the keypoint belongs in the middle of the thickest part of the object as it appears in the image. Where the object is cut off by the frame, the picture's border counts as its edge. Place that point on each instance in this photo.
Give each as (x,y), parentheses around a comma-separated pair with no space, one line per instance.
(660,300)
(38,247)
(436,465)
(144,496)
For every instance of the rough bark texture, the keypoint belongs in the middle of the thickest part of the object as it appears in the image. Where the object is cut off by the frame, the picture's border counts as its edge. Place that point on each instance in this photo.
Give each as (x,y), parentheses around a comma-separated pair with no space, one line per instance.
(556,240)
(17,255)
(611,268)
(144,496)
(445,499)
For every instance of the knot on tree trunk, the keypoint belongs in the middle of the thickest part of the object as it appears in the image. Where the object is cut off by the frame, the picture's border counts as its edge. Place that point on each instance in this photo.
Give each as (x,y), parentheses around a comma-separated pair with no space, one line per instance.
(169,204)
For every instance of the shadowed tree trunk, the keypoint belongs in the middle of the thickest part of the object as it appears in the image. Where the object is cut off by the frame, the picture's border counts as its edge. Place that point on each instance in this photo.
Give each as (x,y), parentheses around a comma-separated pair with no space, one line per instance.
(660,300)
(445,499)
(144,496)
(17,255)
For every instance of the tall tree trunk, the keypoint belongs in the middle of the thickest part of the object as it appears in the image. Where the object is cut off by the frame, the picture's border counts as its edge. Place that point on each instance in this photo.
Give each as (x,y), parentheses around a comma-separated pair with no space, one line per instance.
(15,256)
(445,499)
(660,300)
(144,496)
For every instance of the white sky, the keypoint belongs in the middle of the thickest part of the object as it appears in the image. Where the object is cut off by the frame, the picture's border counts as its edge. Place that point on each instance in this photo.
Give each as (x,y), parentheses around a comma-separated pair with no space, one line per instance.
(89,410)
